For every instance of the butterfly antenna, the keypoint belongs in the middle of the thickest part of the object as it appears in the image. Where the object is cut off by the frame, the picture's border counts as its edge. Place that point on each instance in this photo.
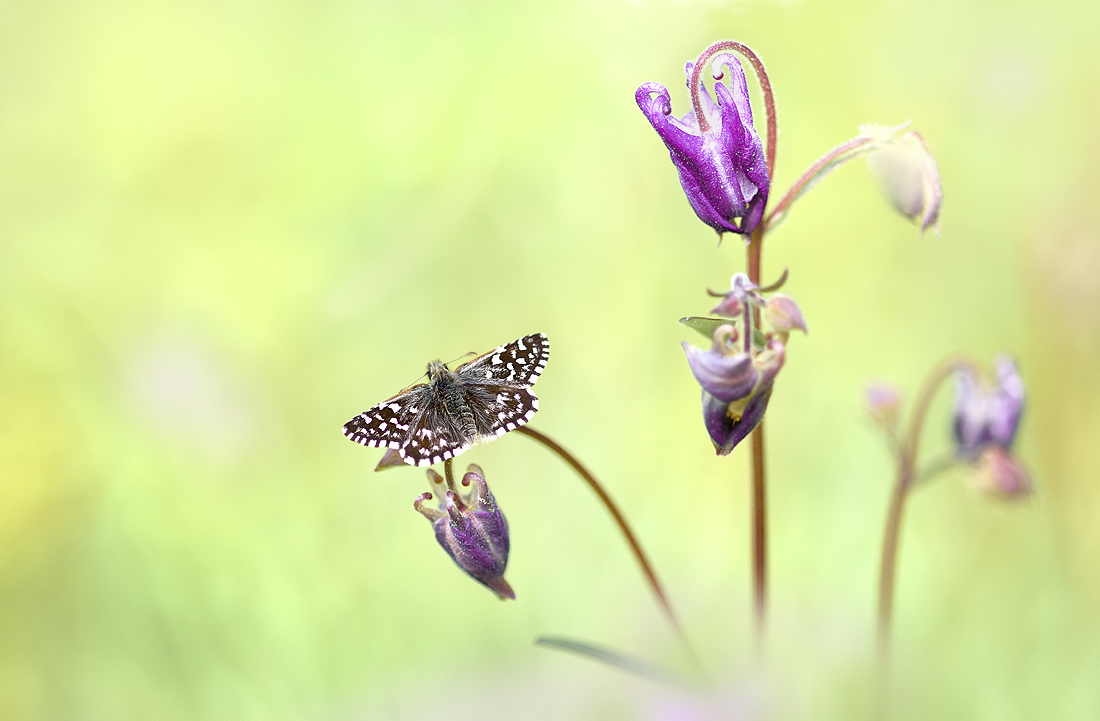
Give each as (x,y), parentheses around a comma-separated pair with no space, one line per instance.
(464,355)
(414,383)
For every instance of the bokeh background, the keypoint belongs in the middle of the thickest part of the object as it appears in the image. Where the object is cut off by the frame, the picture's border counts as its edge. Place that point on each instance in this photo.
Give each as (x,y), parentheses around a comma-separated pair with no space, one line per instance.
(228,227)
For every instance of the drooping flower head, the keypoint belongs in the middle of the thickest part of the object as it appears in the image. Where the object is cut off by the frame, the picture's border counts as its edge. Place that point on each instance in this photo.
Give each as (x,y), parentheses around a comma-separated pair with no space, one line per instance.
(471,528)
(908,176)
(987,415)
(715,147)
(738,371)
(986,420)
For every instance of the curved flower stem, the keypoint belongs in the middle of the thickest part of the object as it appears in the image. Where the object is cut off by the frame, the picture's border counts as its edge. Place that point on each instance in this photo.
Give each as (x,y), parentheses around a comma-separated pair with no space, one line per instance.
(905,479)
(624,527)
(765,87)
(759,505)
(838,155)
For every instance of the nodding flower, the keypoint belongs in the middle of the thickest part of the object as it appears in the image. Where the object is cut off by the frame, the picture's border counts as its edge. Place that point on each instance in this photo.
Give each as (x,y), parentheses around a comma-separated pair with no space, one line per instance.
(471,528)
(906,171)
(738,371)
(715,147)
(987,415)
(986,420)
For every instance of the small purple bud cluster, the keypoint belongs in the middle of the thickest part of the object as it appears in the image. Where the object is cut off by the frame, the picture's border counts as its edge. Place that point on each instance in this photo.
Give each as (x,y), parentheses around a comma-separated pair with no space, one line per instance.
(471,528)
(738,371)
(986,419)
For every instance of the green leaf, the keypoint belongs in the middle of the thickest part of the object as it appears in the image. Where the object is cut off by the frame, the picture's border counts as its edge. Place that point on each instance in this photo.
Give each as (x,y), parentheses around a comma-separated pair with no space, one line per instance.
(706,326)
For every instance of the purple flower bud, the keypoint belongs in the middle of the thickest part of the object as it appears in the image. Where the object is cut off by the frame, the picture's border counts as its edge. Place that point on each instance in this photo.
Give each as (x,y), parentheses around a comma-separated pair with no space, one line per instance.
(471,529)
(987,416)
(999,474)
(883,403)
(783,314)
(719,156)
(742,291)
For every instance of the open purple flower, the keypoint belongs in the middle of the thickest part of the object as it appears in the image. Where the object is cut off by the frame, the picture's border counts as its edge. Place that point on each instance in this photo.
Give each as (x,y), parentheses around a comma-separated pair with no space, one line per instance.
(986,416)
(715,148)
(471,529)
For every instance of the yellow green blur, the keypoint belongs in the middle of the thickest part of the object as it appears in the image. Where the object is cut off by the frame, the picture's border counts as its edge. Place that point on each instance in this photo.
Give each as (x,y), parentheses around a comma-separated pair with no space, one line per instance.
(226,228)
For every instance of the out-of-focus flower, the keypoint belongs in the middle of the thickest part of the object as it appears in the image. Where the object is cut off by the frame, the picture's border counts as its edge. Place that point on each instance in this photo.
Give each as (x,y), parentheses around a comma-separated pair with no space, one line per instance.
(471,528)
(986,415)
(715,148)
(907,173)
(986,420)
(883,403)
(1000,474)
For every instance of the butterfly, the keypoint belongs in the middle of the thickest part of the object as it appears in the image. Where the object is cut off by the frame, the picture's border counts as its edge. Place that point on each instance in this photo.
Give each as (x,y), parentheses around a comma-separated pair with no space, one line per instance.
(475,403)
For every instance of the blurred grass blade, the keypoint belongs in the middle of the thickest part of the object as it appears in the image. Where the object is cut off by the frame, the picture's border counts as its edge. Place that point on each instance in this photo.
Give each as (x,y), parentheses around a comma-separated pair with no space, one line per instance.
(605,656)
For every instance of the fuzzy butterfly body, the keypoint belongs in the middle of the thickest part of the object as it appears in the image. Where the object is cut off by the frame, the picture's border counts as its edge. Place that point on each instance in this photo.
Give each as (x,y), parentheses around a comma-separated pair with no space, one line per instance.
(454,410)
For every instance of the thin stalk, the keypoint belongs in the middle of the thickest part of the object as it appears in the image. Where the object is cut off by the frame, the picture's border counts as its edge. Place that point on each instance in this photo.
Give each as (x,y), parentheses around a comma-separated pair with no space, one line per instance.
(905,479)
(759,500)
(765,88)
(624,528)
(449,473)
(841,153)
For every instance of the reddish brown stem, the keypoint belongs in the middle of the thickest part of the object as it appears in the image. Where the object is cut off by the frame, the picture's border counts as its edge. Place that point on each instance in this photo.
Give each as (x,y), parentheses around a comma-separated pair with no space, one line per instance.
(810,175)
(624,528)
(759,499)
(906,476)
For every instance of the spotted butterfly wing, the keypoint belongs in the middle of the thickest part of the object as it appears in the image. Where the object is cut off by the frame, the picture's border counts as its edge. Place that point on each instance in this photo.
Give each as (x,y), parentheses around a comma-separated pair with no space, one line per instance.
(388,424)
(498,385)
(478,402)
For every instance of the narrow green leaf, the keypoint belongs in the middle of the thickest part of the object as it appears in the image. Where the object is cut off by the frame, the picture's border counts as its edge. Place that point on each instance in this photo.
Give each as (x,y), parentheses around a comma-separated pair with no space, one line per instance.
(605,656)
(706,326)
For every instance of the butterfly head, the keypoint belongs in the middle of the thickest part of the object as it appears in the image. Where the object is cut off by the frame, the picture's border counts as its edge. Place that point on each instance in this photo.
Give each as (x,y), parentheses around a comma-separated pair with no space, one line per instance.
(436,369)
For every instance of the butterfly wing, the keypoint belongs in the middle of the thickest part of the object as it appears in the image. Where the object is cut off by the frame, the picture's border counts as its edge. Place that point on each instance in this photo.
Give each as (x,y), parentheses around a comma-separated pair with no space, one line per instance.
(517,364)
(435,437)
(498,384)
(498,409)
(390,423)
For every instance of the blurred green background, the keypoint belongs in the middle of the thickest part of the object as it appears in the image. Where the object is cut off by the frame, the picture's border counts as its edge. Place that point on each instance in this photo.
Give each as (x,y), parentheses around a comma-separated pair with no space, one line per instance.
(226,228)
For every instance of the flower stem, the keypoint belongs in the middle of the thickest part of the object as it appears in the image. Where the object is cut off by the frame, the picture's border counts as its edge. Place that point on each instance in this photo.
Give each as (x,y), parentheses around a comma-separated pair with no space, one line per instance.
(835,157)
(765,88)
(624,527)
(449,473)
(759,505)
(905,479)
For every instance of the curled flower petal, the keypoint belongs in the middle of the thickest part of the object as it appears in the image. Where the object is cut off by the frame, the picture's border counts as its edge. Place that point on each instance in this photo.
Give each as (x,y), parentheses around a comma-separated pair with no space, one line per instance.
(725,377)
